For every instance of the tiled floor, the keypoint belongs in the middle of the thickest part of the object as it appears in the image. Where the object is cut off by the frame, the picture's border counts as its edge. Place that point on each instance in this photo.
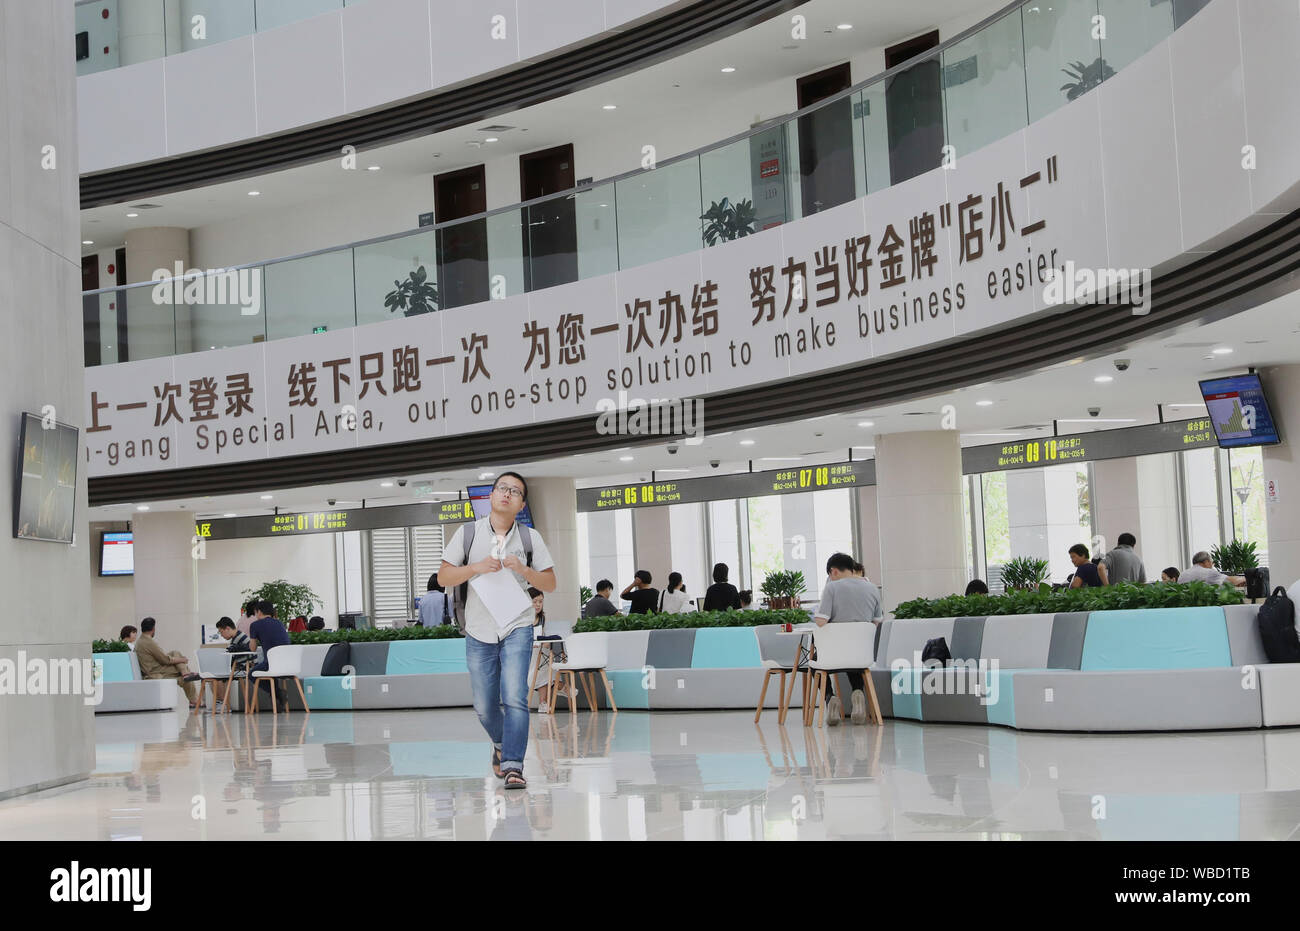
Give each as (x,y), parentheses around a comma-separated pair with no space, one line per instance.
(637,775)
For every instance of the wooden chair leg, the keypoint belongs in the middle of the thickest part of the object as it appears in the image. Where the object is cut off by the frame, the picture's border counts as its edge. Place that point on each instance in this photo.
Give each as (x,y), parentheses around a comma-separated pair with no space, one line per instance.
(570,693)
(589,691)
(762,693)
(275,709)
(609,690)
(780,699)
(871,697)
(257,695)
(303,695)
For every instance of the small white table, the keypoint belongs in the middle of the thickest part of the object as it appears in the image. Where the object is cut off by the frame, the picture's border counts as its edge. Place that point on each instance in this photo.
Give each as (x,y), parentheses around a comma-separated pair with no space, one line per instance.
(547,647)
(801,655)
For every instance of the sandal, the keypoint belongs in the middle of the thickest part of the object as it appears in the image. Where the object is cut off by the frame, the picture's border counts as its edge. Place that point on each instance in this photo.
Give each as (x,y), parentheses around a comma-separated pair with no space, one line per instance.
(496,763)
(515,779)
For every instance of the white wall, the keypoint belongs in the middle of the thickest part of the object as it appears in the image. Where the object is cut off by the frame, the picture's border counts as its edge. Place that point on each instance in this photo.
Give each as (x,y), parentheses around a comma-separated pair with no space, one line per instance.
(112,598)
(233,566)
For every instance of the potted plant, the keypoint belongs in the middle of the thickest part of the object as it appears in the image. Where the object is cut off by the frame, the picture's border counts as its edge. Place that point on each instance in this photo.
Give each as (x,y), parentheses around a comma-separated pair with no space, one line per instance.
(1024,573)
(415,295)
(728,221)
(289,600)
(1086,77)
(1241,558)
(783,589)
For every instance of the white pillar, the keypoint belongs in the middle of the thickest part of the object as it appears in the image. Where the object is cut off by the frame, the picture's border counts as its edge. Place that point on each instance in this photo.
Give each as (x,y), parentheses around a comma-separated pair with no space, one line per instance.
(1043,516)
(918,493)
(1139,495)
(48,740)
(166,577)
(149,325)
(869,531)
(654,551)
(554,504)
(1282,468)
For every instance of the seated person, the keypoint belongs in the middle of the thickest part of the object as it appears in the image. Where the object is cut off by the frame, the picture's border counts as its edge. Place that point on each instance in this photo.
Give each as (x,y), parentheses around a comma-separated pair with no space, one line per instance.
(746,599)
(435,606)
(721,595)
(267,633)
(599,605)
(1169,575)
(539,621)
(673,600)
(847,598)
(128,633)
(977,587)
(316,623)
(643,596)
(157,664)
(1203,570)
(238,643)
(1086,574)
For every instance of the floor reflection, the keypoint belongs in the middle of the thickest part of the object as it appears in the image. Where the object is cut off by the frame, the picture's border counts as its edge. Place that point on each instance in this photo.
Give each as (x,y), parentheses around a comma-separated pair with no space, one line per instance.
(637,776)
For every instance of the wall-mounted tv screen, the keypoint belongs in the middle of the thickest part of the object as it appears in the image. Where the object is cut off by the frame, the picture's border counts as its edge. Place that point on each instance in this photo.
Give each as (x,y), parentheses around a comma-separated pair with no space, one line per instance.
(479,495)
(45,483)
(1239,411)
(117,552)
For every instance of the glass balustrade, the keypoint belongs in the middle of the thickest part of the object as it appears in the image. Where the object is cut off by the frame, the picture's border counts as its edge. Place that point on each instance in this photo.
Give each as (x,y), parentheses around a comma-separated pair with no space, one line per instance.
(968,93)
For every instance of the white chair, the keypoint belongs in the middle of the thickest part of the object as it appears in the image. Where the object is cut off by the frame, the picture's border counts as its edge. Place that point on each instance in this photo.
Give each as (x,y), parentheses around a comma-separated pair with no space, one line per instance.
(585,654)
(842,647)
(283,662)
(777,653)
(214,665)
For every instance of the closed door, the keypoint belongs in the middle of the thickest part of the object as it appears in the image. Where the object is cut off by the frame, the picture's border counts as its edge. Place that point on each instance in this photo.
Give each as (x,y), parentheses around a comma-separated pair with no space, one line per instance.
(90,308)
(914,108)
(826,141)
(462,247)
(550,235)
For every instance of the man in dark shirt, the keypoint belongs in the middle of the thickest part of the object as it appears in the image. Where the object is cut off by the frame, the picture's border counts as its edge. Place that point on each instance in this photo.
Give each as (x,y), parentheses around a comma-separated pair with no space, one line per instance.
(267,633)
(721,595)
(599,605)
(644,598)
(1085,573)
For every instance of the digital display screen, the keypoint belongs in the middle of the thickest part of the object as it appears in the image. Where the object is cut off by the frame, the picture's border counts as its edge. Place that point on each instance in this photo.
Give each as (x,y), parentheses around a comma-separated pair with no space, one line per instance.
(422,514)
(117,553)
(45,488)
(479,495)
(1239,411)
(722,487)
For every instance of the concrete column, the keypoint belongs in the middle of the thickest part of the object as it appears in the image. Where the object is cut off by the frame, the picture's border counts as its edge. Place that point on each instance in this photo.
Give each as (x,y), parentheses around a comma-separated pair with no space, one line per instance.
(798,520)
(166,578)
(47,739)
(1043,516)
(652,530)
(1115,483)
(146,29)
(156,328)
(1282,469)
(1139,495)
(554,504)
(918,493)
(869,531)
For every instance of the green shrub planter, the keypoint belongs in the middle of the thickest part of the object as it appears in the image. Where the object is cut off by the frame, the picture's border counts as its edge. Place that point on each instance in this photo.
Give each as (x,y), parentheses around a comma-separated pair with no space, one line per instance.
(733,618)
(372,635)
(108,646)
(1124,596)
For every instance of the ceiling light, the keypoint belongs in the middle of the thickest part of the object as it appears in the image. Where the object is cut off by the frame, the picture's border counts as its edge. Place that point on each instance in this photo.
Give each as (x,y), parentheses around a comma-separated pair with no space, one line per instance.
(746,442)
(491,139)
(626,458)
(385,484)
(983,403)
(610,106)
(844,26)
(142,507)
(1104,379)
(254,193)
(267,497)
(133,214)
(1221,351)
(231,514)
(372,168)
(866,423)
(483,475)
(88,242)
(863,447)
(728,70)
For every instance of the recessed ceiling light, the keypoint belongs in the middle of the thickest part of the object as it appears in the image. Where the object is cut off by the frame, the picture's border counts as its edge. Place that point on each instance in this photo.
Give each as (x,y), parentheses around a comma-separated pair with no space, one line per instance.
(746,442)
(864,447)
(1221,351)
(626,458)
(385,484)
(491,139)
(254,193)
(728,70)
(372,168)
(1196,404)
(267,497)
(483,475)
(88,242)
(230,514)
(133,214)
(844,26)
(983,403)
(866,423)
(610,106)
(142,507)
(1104,379)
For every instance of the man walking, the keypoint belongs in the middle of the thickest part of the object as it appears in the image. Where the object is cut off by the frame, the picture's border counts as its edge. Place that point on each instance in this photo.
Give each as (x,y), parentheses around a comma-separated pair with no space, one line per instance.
(498,650)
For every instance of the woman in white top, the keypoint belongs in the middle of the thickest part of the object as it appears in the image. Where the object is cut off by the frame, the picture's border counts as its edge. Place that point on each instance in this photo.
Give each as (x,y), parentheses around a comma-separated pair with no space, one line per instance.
(673,600)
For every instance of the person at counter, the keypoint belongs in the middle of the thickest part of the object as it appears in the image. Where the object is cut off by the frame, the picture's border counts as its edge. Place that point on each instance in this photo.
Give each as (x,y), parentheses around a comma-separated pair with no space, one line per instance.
(746,599)
(316,622)
(1086,575)
(435,607)
(644,597)
(977,587)
(721,595)
(247,614)
(1169,575)
(237,643)
(673,599)
(128,635)
(1122,564)
(1203,570)
(599,605)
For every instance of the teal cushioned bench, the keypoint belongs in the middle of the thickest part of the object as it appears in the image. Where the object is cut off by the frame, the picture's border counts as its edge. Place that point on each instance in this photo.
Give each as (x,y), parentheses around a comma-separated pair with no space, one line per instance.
(726,648)
(416,657)
(1157,638)
(328,692)
(116,667)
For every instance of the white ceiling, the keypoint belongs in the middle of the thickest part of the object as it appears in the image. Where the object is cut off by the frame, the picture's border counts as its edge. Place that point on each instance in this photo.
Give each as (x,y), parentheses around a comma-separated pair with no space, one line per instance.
(1163,370)
(653,96)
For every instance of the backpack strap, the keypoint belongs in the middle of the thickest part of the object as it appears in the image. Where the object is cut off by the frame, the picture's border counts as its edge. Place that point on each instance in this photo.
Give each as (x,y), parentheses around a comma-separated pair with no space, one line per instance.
(462,590)
(527,540)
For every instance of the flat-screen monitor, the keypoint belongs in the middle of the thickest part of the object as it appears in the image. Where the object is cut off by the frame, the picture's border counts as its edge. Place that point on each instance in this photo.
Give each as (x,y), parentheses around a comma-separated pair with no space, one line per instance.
(353,621)
(479,495)
(1239,411)
(45,483)
(117,552)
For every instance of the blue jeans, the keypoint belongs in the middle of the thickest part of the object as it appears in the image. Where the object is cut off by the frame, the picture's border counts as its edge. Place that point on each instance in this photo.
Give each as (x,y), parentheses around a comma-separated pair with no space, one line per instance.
(498,676)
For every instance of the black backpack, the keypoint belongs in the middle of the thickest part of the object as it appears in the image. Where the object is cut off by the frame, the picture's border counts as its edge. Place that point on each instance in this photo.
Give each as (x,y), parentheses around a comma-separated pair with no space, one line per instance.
(1276,620)
(462,590)
(936,649)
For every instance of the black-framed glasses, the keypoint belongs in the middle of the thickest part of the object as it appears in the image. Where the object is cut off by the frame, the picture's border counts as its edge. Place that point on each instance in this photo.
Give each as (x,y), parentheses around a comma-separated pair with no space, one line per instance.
(511,491)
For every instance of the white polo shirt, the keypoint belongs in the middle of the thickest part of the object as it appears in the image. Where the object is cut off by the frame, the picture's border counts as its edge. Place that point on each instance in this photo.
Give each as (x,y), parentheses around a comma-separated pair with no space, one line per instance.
(479,622)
